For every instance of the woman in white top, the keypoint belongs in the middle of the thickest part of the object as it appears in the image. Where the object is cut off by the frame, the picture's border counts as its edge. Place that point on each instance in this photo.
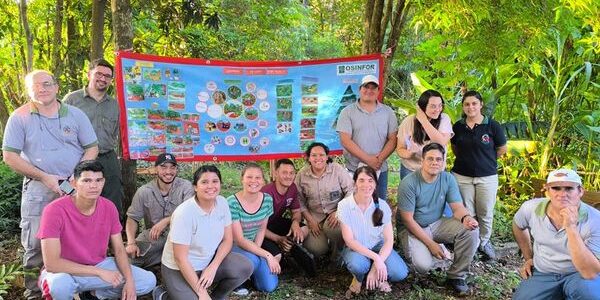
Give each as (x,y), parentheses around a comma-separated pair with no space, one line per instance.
(366,223)
(198,248)
(428,125)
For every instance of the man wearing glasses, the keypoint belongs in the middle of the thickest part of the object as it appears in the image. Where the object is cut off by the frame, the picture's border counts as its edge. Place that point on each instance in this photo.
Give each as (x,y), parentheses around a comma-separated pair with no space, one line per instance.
(563,261)
(103,112)
(154,202)
(44,140)
(422,228)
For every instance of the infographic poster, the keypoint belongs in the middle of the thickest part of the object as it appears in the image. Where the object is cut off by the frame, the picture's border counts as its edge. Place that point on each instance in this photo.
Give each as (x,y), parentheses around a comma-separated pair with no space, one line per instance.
(203,110)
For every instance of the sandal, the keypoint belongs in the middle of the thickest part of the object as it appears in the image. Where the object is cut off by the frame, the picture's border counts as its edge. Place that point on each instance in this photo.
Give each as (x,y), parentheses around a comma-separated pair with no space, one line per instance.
(354,288)
(385,287)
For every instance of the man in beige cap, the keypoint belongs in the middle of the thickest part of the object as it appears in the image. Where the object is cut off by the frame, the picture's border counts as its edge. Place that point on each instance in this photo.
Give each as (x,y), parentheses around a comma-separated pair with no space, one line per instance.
(367,130)
(563,261)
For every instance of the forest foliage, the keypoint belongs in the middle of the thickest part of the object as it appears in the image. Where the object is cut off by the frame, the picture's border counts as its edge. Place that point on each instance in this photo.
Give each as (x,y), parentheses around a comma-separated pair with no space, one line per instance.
(536,63)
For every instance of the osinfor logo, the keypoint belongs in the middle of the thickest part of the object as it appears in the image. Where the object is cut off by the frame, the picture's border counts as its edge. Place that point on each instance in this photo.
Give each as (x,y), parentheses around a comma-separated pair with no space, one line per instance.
(357,69)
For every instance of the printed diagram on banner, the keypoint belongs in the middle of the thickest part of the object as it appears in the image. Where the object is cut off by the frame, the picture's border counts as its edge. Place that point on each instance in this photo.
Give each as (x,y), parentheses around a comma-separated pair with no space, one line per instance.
(201,111)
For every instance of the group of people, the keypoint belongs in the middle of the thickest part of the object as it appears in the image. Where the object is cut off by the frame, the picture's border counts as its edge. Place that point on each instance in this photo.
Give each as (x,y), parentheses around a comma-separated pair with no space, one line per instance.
(207,246)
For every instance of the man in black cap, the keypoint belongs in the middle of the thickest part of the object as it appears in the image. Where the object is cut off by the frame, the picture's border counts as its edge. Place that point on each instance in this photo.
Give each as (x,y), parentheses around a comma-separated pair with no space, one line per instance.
(155,202)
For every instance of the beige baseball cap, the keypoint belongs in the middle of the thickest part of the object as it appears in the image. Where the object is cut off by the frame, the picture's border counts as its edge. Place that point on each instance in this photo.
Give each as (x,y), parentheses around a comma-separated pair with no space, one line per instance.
(369,79)
(563,177)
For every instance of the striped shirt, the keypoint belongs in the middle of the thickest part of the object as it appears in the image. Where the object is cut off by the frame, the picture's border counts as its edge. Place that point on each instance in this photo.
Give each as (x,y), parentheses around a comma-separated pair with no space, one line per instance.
(250,222)
(361,223)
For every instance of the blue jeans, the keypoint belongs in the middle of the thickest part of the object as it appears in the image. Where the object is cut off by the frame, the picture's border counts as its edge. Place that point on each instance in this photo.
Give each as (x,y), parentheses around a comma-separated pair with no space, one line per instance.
(359,265)
(557,286)
(404,171)
(382,185)
(263,279)
(64,285)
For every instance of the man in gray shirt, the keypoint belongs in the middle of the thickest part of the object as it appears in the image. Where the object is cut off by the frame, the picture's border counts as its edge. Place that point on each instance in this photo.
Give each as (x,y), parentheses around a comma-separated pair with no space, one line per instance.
(367,132)
(422,197)
(44,140)
(562,261)
(103,112)
(154,203)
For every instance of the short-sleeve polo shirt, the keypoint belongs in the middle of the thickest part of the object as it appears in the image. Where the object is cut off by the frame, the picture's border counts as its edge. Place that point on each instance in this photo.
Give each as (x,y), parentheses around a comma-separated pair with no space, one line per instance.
(369,130)
(52,144)
(475,148)
(550,251)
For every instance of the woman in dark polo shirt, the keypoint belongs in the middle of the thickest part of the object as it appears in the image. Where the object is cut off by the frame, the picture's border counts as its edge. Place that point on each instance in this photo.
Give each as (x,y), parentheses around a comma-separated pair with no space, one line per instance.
(477,143)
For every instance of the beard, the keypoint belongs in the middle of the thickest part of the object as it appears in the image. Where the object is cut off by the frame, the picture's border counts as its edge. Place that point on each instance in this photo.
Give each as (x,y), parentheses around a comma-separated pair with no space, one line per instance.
(166,182)
(101,88)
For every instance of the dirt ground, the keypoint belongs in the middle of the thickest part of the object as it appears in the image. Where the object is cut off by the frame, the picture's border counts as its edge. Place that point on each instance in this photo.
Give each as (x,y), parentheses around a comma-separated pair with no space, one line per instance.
(494,280)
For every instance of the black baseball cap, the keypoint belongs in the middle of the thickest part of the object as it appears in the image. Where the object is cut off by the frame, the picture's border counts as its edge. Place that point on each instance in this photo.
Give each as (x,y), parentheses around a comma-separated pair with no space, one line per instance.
(165,158)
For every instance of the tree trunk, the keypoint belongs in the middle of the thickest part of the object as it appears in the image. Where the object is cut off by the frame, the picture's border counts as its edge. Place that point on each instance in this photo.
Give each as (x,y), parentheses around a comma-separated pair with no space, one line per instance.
(375,44)
(57,61)
(28,35)
(369,4)
(380,14)
(123,30)
(387,13)
(397,25)
(97,38)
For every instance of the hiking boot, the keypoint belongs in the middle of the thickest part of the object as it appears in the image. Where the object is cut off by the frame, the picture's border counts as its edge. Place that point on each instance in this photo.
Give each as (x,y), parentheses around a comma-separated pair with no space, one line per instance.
(159,293)
(87,295)
(305,259)
(487,252)
(459,285)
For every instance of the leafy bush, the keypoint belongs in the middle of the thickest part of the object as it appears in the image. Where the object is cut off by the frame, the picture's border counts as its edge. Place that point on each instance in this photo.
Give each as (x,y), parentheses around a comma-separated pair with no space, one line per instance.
(10,201)
(7,275)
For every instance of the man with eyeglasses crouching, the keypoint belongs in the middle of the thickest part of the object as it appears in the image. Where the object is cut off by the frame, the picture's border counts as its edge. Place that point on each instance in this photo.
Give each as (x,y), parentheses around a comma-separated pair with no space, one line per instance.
(422,227)
(563,261)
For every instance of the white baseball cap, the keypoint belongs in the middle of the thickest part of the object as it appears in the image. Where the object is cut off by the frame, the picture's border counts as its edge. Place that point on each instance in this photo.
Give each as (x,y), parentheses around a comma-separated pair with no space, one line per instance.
(369,79)
(563,177)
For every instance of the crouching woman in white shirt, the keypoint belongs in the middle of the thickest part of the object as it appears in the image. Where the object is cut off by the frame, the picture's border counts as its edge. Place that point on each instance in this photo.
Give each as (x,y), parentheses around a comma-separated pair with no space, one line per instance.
(367,231)
(198,254)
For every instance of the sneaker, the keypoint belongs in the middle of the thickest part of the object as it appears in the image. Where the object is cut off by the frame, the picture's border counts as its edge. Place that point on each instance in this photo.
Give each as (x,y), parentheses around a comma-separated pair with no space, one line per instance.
(487,251)
(305,259)
(459,285)
(87,295)
(159,293)
(241,292)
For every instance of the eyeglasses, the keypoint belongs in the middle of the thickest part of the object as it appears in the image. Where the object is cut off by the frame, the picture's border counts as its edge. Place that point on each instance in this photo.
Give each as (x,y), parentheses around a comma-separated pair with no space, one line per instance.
(562,188)
(46,85)
(106,76)
(430,159)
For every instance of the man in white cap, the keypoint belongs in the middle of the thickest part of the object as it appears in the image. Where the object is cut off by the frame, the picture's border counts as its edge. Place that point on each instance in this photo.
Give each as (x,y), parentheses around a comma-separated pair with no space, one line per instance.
(154,202)
(563,262)
(367,132)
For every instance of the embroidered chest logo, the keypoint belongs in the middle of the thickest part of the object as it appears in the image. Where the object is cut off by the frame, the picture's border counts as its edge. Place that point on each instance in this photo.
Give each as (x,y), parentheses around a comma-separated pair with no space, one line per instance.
(288,201)
(67,130)
(485,139)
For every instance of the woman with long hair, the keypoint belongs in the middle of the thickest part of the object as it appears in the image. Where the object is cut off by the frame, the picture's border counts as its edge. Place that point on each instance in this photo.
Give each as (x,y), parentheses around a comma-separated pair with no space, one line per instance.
(321,185)
(195,258)
(250,211)
(478,142)
(366,223)
(428,125)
